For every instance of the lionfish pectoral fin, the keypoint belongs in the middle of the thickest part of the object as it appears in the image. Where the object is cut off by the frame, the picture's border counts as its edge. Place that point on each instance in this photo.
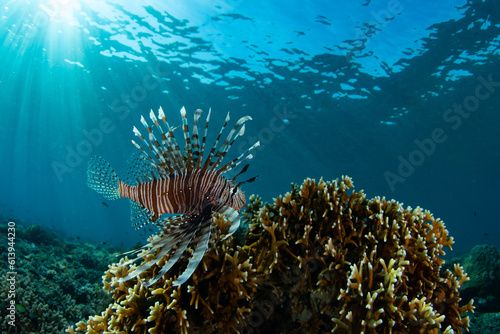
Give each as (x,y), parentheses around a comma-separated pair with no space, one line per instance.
(176,254)
(202,240)
(102,178)
(165,244)
(233,216)
(200,247)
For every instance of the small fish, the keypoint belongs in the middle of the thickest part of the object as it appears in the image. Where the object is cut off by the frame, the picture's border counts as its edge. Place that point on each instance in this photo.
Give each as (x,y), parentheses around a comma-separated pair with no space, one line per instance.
(171,181)
(105,204)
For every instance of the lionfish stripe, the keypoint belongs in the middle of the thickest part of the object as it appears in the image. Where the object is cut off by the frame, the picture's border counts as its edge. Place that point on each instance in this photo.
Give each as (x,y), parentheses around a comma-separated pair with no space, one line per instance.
(201,245)
(168,204)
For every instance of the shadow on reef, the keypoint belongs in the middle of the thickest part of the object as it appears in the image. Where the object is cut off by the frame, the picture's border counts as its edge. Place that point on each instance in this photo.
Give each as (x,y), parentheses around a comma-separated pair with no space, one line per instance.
(319,259)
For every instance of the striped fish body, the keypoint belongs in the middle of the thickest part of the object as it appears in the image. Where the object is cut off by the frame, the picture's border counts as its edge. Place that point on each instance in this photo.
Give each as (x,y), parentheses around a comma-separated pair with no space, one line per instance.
(189,192)
(171,181)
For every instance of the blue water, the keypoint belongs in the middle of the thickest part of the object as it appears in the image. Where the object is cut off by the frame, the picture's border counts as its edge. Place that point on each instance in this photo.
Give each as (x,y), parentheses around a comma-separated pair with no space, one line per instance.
(402,96)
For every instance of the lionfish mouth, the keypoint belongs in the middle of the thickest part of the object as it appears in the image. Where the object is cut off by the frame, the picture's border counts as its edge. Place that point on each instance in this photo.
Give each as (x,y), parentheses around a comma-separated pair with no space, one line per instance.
(171,181)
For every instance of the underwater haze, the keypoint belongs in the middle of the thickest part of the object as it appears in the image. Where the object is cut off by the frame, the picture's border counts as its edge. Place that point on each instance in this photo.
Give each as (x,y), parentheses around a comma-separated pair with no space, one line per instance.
(403,96)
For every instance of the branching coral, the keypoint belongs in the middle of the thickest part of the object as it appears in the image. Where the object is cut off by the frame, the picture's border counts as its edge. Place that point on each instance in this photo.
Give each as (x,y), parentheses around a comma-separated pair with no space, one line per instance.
(321,258)
(364,266)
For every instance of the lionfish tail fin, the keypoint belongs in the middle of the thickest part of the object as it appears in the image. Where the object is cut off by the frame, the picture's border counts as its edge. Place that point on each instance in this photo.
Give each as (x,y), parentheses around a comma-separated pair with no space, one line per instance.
(102,178)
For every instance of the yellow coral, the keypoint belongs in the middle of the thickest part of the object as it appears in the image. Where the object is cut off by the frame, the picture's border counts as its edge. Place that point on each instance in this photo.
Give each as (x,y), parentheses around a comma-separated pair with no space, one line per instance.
(377,264)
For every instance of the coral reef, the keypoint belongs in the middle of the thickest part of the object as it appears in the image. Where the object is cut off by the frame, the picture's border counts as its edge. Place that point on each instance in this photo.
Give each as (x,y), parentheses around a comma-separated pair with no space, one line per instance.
(483,267)
(54,287)
(484,323)
(319,259)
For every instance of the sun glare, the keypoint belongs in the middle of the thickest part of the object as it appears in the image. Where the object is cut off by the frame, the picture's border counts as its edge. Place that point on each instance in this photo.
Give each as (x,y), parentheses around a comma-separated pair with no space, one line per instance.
(60,10)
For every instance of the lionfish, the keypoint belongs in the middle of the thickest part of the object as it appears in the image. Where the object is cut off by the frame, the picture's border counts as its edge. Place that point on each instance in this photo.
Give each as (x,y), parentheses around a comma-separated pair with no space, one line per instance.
(169,181)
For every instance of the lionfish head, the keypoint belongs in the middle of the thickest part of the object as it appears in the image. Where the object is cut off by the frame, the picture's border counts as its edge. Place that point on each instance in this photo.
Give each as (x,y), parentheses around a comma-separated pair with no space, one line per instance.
(235,198)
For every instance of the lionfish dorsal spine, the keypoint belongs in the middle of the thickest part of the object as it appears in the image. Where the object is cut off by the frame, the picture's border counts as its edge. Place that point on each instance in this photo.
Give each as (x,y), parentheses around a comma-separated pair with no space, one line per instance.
(153,143)
(195,137)
(169,158)
(203,141)
(175,148)
(164,154)
(208,162)
(170,153)
(171,147)
(235,162)
(188,151)
(226,145)
(153,151)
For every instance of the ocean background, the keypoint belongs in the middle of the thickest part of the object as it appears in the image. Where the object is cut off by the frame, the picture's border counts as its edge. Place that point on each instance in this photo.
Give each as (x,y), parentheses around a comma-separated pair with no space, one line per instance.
(403,96)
